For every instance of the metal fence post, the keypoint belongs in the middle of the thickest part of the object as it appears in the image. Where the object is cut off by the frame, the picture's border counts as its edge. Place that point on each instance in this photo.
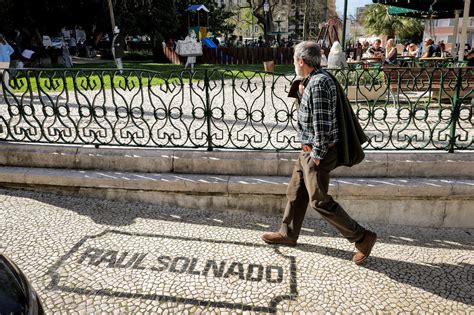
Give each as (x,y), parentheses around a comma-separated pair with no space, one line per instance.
(455,112)
(208,112)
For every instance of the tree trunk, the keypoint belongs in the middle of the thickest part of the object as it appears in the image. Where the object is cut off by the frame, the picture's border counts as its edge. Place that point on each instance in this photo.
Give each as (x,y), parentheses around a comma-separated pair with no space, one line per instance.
(112,16)
(306,20)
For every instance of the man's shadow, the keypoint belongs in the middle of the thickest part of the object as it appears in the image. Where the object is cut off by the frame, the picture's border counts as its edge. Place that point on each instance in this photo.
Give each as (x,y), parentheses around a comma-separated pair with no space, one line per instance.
(451,282)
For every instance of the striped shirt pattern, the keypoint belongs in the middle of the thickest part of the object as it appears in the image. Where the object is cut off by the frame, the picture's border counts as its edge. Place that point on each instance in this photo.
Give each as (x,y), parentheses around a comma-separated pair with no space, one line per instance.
(317,121)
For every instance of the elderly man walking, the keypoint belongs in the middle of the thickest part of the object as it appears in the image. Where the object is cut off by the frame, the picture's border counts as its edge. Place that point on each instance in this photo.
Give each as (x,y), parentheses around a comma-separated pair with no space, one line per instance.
(330,136)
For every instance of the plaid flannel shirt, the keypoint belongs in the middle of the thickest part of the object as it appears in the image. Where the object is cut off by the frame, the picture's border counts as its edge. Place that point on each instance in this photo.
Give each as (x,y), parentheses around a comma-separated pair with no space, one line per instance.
(317,121)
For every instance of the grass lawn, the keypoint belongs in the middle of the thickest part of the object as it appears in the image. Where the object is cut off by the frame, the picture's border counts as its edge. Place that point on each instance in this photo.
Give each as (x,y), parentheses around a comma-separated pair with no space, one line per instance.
(150,73)
(160,67)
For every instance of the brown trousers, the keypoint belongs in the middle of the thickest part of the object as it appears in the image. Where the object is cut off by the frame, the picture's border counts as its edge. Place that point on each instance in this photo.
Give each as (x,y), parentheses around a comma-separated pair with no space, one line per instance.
(309,184)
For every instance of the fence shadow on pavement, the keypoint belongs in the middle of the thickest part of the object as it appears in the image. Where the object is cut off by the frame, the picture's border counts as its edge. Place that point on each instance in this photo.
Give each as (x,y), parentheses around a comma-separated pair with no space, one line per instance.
(452,282)
(123,213)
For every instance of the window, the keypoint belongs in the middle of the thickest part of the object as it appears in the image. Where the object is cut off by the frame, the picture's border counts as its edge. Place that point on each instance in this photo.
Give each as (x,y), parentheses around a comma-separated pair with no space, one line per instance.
(445,22)
(443,38)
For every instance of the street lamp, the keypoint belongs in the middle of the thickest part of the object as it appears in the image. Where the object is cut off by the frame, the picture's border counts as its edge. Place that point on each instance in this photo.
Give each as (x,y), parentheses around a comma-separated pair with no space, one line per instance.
(278,32)
(344,26)
(266,8)
(253,27)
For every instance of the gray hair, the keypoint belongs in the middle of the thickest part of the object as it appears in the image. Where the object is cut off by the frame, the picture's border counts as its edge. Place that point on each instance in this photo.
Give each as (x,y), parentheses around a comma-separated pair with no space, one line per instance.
(309,52)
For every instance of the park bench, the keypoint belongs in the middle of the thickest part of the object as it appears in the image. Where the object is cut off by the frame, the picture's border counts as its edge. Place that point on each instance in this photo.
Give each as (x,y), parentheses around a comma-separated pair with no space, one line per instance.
(439,83)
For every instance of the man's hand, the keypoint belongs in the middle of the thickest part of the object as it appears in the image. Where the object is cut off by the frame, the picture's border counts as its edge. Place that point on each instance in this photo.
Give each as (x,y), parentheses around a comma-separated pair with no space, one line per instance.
(301,88)
(317,161)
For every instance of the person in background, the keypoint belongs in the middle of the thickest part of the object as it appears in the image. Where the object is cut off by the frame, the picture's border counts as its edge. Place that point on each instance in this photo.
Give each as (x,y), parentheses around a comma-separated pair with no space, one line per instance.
(470,58)
(118,48)
(324,60)
(405,49)
(73,45)
(5,52)
(18,41)
(216,41)
(437,50)
(377,50)
(365,46)
(390,52)
(239,42)
(190,60)
(67,59)
(337,58)
(467,47)
(442,50)
(230,41)
(429,50)
(412,50)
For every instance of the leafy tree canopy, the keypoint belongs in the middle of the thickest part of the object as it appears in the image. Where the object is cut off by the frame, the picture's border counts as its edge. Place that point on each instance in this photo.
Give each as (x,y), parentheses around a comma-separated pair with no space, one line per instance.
(156,18)
(50,15)
(218,18)
(376,20)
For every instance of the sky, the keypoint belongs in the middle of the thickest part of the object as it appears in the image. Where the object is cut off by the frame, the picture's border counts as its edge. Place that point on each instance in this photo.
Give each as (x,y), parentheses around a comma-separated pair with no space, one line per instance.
(351,5)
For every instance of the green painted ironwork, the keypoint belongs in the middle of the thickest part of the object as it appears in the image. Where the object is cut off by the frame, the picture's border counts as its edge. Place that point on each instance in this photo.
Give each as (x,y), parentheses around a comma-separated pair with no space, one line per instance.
(419,108)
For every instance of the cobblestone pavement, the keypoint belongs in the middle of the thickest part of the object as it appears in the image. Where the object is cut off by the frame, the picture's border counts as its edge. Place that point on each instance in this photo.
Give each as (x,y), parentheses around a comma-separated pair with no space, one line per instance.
(89,256)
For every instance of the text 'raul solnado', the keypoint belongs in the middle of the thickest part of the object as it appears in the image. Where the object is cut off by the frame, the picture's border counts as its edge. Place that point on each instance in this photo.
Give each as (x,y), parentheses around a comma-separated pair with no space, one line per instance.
(183,265)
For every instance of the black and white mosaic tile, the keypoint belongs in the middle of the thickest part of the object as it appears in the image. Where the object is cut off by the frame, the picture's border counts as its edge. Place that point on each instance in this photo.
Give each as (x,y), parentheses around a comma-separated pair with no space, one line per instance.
(87,255)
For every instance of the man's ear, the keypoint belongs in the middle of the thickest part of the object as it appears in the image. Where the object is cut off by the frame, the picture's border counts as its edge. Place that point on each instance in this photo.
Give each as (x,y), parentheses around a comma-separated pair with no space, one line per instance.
(301,62)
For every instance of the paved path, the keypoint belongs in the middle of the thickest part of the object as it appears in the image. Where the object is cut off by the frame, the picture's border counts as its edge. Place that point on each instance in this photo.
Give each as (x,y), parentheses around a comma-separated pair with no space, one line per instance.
(90,256)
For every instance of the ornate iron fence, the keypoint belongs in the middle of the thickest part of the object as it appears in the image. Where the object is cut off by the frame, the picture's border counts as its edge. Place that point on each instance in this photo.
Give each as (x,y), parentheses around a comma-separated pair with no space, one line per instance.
(399,108)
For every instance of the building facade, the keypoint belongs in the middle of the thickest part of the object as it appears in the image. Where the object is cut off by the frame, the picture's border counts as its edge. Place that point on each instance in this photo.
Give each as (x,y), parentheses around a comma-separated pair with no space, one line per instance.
(443,30)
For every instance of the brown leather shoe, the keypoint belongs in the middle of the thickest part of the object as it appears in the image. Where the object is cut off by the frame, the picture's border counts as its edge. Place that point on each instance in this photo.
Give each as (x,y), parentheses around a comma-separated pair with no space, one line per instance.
(278,238)
(364,248)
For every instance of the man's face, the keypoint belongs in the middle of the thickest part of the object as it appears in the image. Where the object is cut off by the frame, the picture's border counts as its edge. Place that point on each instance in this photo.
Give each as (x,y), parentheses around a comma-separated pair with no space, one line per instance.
(298,67)
(376,45)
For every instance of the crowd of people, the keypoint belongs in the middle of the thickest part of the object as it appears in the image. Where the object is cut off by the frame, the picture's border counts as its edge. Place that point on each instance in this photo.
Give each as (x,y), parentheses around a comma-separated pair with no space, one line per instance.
(238,42)
(389,54)
(29,48)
